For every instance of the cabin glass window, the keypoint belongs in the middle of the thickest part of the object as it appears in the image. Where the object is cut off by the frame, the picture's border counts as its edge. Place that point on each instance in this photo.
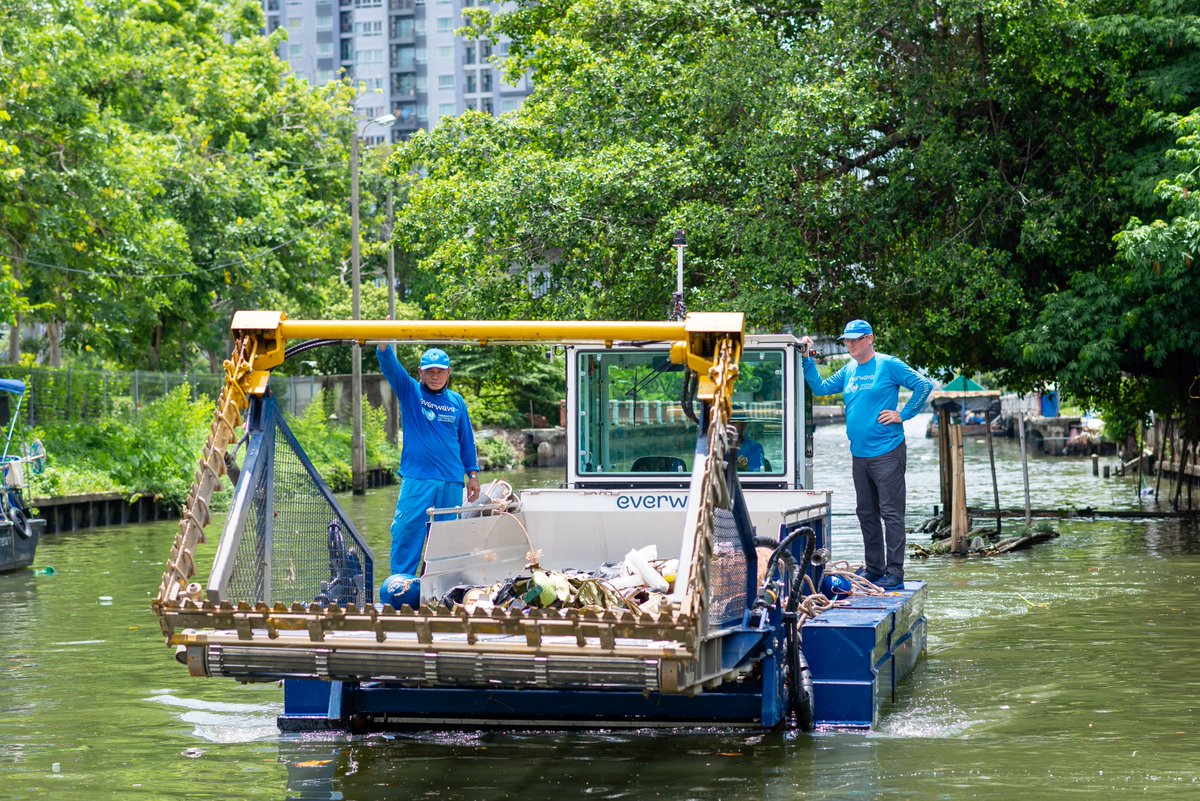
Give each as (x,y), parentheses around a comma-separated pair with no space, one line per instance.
(630,420)
(758,412)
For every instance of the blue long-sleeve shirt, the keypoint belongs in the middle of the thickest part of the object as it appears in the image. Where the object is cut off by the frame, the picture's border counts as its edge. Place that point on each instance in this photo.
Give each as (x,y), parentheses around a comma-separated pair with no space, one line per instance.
(869,389)
(439,442)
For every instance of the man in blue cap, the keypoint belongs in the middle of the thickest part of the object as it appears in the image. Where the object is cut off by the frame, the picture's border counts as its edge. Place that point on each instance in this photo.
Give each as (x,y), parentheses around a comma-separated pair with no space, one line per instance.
(439,448)
(870,385)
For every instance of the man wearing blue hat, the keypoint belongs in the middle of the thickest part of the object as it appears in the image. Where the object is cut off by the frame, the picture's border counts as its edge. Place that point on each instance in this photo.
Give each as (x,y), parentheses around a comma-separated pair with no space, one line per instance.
(439,448)
(870,385)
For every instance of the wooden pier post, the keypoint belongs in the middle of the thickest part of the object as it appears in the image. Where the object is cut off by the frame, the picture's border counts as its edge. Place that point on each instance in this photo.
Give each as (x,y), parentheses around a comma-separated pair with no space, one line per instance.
(1095,464)
(958,515)
(946,473)
(1025,468)
(992,462)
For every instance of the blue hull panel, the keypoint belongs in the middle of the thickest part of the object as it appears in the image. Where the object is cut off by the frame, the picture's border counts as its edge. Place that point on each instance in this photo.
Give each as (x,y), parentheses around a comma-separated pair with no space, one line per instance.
(860,652)
(379,707)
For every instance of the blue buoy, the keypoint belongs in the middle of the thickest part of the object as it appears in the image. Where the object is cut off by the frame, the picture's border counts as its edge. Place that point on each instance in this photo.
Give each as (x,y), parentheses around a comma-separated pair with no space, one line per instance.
(399,590)
(836,587)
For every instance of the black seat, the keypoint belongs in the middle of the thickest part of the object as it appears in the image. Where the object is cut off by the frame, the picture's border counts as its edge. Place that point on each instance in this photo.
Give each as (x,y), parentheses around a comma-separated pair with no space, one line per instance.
(658,464)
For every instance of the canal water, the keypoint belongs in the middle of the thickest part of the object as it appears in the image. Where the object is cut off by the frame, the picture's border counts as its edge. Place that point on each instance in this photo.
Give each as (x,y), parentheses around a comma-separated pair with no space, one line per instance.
(1071,670)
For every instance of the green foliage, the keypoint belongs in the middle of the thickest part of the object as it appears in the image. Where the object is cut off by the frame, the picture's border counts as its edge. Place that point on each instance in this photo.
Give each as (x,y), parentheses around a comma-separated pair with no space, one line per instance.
(328,446)
(161,445)
(156,451)
(954,172)
(62,480)
(151,453)
(504,385)
(1125,338)
(159,168)
(496,453)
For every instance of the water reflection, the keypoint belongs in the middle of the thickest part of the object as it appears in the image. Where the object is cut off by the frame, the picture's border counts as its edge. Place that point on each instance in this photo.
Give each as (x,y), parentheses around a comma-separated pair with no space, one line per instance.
(505,765)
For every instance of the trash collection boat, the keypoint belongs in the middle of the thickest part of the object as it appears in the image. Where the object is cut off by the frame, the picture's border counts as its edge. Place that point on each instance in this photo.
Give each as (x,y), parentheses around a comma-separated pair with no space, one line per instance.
(671,580)
(20,531)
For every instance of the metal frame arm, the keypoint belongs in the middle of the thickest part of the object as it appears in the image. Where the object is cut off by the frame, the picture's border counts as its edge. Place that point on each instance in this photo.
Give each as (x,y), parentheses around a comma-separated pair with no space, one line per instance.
(232,402)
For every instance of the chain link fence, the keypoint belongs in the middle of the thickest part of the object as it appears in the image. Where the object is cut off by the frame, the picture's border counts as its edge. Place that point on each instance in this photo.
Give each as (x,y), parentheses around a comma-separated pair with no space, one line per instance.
(66,394)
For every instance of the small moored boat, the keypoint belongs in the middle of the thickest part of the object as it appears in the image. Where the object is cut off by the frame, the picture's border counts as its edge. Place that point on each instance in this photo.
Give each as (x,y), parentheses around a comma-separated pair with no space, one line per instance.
(20,531)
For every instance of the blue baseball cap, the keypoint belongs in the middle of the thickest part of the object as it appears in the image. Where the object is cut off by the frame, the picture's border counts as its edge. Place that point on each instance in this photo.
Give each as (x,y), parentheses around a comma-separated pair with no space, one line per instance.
(857,329)
(435,357)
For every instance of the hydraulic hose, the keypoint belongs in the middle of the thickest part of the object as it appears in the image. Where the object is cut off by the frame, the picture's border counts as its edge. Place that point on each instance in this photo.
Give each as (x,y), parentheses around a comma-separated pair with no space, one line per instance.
(296,350)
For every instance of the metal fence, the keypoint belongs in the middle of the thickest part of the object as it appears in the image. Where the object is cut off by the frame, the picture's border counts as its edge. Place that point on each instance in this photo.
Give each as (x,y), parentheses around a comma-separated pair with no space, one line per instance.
(54,395)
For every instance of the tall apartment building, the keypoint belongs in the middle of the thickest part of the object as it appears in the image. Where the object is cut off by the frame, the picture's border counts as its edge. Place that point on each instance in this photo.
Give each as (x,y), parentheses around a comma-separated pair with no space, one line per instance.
(405,54)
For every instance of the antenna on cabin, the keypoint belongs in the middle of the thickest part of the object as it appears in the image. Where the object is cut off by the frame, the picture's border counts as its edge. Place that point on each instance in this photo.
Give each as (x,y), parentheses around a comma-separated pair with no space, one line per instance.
(678,309)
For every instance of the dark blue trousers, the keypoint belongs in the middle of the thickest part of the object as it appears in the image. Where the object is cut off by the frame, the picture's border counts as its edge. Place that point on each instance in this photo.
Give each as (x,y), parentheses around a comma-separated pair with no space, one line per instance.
(879,485)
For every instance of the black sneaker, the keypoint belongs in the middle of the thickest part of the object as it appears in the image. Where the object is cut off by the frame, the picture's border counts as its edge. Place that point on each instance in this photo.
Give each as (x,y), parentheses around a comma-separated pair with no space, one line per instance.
(889,581)
(862,572)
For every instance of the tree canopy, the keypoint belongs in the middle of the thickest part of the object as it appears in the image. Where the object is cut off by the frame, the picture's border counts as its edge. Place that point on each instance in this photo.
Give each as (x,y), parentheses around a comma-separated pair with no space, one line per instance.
(968,176)
(159,168)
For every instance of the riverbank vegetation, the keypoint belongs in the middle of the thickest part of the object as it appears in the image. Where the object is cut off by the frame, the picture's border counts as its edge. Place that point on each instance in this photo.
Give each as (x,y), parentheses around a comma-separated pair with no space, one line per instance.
(154,451)
(997,187)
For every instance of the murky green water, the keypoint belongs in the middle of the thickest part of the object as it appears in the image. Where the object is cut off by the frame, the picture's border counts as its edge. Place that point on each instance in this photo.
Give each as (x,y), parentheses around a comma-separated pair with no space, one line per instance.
(1072,670)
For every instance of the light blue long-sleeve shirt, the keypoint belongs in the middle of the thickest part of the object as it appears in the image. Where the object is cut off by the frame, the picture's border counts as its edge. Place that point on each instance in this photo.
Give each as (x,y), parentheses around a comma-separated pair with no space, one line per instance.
(867,390)
(438,440)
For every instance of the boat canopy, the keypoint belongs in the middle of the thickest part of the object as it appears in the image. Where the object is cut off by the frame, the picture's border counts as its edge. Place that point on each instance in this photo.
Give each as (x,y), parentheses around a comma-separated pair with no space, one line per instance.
(12,386)
(965,394)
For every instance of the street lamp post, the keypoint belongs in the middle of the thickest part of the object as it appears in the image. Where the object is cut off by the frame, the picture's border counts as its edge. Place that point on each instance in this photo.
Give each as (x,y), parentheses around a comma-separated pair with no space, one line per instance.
(394,403)
(678,308)
(358,446)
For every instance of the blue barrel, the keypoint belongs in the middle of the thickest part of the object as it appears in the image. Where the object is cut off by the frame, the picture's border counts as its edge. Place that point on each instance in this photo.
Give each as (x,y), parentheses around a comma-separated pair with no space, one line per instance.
(1050,403)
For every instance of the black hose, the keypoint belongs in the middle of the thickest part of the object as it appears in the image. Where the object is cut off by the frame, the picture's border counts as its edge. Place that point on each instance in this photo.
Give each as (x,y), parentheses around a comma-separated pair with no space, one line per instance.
(796,590)
(312,344)
(806,531)
(799,678)
(687,395)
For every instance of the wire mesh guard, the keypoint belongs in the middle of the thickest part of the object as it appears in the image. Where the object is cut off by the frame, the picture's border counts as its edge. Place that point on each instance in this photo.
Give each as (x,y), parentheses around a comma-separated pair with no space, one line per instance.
(727,570)
(294,544)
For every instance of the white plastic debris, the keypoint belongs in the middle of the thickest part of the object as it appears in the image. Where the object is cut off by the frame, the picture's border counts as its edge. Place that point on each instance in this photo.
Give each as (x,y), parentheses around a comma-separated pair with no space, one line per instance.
(637,563)
(627,581)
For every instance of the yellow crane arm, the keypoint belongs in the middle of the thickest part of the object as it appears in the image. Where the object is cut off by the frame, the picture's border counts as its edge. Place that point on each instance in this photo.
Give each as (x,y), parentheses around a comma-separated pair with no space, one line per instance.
(260,344)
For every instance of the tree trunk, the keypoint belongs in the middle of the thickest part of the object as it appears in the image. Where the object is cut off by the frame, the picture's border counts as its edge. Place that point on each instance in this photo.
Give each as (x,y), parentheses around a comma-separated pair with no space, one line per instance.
(14,342)
(14,335)
(156,337)
(54,335)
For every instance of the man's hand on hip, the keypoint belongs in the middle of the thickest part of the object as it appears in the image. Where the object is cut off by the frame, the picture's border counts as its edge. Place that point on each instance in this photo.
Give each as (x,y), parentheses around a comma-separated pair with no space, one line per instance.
(889,417)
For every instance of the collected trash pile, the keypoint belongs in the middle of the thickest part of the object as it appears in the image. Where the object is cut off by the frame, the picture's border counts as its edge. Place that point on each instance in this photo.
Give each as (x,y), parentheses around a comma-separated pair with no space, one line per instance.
(640,583)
